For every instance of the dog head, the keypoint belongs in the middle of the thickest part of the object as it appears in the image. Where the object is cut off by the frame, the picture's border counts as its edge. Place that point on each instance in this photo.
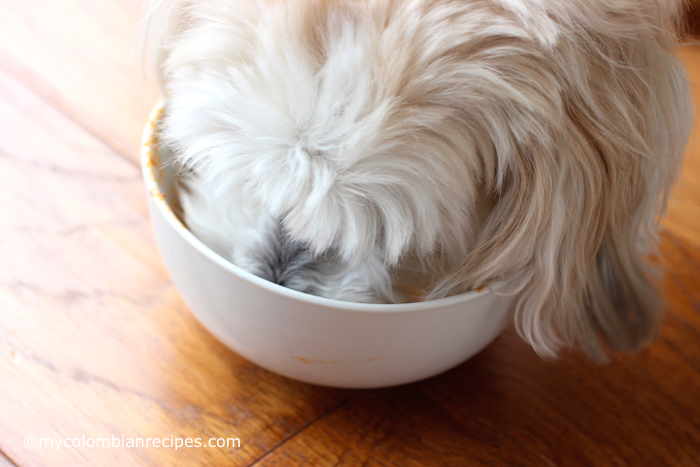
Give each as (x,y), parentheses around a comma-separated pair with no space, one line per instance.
(530,142)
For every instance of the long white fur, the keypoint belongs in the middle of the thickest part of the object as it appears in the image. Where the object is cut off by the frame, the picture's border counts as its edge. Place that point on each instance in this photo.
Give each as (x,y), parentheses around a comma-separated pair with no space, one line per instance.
(530,142)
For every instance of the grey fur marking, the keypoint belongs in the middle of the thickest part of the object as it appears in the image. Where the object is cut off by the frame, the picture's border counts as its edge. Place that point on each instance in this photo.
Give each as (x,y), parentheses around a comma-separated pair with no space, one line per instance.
(287,263)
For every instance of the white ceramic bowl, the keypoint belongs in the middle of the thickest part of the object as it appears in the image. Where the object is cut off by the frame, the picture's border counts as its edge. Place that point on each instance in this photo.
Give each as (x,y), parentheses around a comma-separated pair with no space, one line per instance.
(309,338)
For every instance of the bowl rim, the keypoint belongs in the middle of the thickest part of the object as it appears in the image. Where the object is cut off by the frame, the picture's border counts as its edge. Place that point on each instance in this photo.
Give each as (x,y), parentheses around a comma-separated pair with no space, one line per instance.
(148,166)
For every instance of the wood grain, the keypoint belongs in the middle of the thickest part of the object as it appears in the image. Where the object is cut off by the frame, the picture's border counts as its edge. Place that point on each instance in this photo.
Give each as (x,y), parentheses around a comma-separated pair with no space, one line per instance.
(5,462)
(682,217)
(82,56)
(95,341)
(401,426)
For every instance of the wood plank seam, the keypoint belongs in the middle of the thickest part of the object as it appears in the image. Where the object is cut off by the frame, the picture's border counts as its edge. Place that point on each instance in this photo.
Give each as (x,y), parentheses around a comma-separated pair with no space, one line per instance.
(502,430)
(302,429)
(5,460)
(527,446)
(39,87)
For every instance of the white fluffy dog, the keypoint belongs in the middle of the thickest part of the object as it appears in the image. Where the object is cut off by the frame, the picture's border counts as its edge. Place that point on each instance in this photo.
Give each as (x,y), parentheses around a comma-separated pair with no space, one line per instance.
(329,144)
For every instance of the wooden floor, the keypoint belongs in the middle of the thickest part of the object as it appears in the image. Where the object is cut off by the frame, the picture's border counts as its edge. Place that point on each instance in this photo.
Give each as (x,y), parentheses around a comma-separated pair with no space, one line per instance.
(96,343)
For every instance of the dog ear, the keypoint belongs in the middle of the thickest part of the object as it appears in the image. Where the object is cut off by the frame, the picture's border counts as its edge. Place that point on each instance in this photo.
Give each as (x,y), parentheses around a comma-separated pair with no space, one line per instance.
(576,209)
